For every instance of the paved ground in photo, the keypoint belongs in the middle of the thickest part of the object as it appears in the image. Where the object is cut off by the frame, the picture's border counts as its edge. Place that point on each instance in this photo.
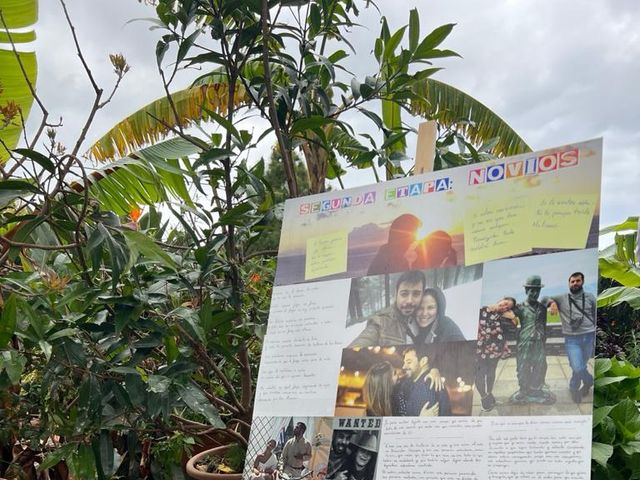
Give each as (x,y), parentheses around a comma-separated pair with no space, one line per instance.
(558,375)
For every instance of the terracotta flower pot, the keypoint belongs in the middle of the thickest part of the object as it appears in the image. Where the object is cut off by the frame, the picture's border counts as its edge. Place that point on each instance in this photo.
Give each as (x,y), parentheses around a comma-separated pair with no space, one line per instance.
(198,475)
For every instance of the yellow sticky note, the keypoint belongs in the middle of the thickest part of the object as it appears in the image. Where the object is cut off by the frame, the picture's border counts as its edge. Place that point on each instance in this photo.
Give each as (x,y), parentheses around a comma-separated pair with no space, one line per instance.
(495,228)
(326,255)
(561,221)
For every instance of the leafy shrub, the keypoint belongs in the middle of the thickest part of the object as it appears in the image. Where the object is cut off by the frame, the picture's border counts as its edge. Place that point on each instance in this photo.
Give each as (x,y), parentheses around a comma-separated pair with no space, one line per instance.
(616,421)
(619,298)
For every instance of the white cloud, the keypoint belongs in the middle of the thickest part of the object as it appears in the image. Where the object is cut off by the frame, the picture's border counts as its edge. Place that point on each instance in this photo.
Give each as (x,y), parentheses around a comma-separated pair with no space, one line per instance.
(558,72)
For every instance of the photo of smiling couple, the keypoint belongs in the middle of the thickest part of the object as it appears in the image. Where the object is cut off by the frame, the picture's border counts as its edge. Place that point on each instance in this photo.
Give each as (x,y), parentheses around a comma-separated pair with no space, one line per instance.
(410,347)
(411,308)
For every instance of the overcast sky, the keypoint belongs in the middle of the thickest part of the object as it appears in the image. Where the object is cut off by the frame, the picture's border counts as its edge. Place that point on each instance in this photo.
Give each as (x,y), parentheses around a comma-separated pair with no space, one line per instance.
(557,72)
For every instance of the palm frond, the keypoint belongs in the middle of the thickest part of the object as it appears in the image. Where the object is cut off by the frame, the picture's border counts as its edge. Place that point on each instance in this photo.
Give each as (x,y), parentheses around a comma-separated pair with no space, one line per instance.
(146,177)
(154,122)
(450,106)
(346,145)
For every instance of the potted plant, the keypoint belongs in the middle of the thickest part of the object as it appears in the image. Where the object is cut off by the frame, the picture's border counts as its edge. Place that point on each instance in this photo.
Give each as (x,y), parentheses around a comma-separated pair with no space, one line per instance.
(219,463)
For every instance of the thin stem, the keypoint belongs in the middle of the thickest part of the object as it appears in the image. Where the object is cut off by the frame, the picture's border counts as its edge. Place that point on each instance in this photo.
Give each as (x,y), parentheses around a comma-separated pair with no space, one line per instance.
(113,91)
(245,375)
(172,104)
(35,246)
(220,403)
(98,91)
(273,117)
(95,86)
(80,221)
(261,253)
(214,366)
(179,132)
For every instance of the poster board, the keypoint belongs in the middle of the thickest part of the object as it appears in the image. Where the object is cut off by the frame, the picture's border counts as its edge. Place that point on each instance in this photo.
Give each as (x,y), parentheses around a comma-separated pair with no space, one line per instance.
(422,328)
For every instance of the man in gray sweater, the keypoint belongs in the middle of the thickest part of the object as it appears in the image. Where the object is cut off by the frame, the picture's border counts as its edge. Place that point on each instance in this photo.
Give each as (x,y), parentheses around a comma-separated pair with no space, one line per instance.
(577,310)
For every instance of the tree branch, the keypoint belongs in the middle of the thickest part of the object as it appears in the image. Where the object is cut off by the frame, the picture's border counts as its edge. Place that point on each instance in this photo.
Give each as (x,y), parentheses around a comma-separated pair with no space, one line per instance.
(214,366)
(35,246)
(96,103)
(261,253)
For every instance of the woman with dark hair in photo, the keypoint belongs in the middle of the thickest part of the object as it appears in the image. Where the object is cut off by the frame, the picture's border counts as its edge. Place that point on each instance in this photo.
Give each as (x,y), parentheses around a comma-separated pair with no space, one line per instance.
(265,464)
(496,323)
(430,324)
(384,391)
(361,464)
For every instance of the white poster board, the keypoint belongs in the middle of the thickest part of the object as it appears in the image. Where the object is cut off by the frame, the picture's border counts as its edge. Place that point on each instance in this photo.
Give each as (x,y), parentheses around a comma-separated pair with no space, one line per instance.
(437,327)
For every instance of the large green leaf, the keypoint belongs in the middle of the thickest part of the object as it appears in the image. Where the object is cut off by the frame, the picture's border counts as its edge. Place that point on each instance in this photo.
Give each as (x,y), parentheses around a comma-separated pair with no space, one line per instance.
(621,367)
(14,89)
(193,397)
(104,455)
(56,456)
(617,295)
(630,223)
(13,364)
(139,243)
(449,106)
(8,316)
(391,116)
(600,413)
(621,272)
(602,366)
(604,381)
(146,177)
(601,452)
(151,123)
(18,13)
(627,418)
(82,462)
(17,37)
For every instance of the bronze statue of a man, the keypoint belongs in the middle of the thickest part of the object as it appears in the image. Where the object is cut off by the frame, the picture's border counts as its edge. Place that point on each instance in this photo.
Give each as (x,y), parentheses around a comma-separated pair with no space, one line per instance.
(531,358)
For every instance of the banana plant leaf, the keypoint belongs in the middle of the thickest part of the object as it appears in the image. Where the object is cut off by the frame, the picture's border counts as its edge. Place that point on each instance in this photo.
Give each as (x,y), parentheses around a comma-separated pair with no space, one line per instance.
(15,95)
(443,102)
(154,121)
(450,106)
(146,177)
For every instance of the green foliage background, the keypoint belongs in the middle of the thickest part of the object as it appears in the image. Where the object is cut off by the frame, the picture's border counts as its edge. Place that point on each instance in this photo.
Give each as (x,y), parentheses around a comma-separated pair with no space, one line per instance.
(134,297)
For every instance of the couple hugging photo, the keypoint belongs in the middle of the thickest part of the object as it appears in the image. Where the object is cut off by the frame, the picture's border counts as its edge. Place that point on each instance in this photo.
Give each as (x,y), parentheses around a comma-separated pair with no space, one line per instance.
(411,358)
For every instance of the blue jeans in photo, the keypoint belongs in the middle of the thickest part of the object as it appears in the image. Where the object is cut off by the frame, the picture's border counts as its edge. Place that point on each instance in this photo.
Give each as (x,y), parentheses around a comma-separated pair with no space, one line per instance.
(580,350)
